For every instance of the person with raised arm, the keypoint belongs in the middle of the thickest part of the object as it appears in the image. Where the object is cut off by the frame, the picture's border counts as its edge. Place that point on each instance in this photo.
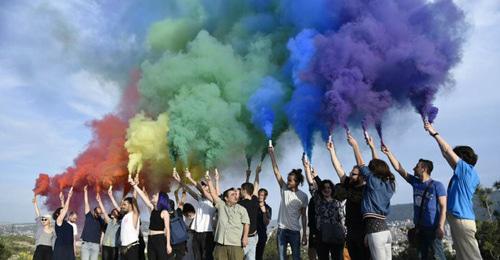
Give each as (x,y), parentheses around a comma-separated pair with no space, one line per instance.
(64,245)
(130,227)
(264,215)
(313,182)
(293,207)
(92,230)
(329,216)
(251,204)
(354,185)
(202,225)
(44,235)
(158,246)
(380,186)
(72,219)
(110,243)
(461,189)
(429,206)
(233,224)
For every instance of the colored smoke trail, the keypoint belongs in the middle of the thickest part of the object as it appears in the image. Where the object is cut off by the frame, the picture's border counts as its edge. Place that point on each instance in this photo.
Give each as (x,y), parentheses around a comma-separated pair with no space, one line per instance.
(263,103)
(388,52)
(42,184)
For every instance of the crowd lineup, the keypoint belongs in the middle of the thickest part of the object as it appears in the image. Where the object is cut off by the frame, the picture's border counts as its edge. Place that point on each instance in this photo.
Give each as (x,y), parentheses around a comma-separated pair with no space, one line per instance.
(232,224)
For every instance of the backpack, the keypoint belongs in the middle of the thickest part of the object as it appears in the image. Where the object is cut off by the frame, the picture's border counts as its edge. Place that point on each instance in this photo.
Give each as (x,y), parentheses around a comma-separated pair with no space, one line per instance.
(178,229)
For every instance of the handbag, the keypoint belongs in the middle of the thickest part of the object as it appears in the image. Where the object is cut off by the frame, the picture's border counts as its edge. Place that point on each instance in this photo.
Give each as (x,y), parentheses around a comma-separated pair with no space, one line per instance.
(413,233)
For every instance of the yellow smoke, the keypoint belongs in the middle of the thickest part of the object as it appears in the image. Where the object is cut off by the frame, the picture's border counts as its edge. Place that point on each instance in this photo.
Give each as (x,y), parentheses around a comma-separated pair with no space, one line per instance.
(147,144)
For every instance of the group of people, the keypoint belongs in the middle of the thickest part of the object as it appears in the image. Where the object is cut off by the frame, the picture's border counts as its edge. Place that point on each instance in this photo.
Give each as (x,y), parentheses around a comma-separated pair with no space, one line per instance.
(232,224)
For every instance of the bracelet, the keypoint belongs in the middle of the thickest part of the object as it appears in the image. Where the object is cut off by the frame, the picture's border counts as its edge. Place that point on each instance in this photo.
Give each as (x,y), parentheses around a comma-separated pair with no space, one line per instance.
(434,135)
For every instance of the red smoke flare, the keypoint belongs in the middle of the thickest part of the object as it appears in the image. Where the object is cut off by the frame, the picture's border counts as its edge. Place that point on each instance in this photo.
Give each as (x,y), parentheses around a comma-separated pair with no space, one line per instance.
(42,184)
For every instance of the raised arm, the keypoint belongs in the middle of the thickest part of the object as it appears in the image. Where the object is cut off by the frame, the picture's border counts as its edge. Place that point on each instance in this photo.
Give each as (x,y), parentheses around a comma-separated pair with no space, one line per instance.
(256,182)
(182,201)
(335,160)
(64,210)
(86,199)
(191,192)
(35,205)
(371,144)
(217,181)
(212,191)
(307,169)
(104,212)
(191,181)
(141,194)
(112,198)
(447,151)
(276,170)
(61,198)
(355,147)
(395,163)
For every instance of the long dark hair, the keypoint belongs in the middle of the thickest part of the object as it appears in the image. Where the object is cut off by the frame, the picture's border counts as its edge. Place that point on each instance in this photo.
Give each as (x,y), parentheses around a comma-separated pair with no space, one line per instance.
(321,187)
(56,213)
(381,170)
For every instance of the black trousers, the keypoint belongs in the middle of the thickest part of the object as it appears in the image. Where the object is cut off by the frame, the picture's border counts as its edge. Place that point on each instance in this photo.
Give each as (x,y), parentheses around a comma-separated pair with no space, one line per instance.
(131,253)
(178,251)
(110,253)
(324,251)
(357,249)
(261,244)
(203,245)
(157,247)
(43,253)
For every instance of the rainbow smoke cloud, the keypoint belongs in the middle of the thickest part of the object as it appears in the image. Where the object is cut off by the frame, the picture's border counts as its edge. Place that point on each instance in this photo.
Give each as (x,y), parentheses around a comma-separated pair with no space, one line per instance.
(217,78)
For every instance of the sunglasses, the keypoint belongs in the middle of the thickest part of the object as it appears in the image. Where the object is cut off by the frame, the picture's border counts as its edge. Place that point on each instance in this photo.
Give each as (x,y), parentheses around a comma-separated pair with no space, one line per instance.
(43,219)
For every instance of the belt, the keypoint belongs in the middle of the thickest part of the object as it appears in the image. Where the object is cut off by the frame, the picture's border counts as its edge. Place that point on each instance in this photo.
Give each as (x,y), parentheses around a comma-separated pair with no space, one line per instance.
(252,235)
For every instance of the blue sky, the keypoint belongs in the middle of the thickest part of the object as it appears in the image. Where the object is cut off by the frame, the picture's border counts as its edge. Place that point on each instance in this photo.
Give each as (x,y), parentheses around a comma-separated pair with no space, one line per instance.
(62,64)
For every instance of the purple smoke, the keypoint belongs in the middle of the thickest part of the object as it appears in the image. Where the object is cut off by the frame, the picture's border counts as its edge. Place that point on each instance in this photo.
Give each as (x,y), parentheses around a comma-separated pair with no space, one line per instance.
(388,52)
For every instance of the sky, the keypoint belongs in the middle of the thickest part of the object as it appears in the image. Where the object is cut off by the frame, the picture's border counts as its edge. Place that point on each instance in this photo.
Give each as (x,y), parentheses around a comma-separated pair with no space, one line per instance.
(63,64)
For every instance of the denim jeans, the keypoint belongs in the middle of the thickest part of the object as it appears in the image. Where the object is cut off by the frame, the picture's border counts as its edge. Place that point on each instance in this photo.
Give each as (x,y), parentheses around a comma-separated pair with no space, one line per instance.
(285,237)
(428,240)
(90,251)
(250,249)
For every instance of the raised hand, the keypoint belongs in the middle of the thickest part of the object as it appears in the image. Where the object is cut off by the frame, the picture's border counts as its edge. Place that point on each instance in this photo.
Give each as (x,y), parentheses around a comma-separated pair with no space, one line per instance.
(429,128)
(258,169)
(305,161)
(369,142)
(85,188)
(110,190)
(385,149)
(176,176)
(351,140)
(329,145)
(216,175)
(70,192)
(98,197)
(187,173)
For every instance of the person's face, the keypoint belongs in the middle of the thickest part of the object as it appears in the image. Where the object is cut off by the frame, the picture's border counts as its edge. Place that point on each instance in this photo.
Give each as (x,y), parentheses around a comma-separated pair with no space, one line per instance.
(45,221)
(73,218)
(291,182)
(154,198)
(238,193)
(355,175)
(418,170)
(232,197)
(327,190)
(125,207)
(98,211)
(190,215)
(262,196)
(115,214)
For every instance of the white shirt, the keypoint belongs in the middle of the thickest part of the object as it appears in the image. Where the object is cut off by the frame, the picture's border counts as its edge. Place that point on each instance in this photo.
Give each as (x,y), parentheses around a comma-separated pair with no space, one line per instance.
(129,233)
(203,221)
(290,208)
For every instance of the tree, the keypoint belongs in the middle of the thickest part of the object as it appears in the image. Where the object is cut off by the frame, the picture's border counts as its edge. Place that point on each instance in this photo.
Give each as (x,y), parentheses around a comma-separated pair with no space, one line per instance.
(483,194)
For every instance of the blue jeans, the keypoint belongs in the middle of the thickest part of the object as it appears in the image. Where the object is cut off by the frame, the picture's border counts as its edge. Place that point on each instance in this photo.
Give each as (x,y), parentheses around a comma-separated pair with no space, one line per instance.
(250,249)
(90,251)
(285,237)
(428,240)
